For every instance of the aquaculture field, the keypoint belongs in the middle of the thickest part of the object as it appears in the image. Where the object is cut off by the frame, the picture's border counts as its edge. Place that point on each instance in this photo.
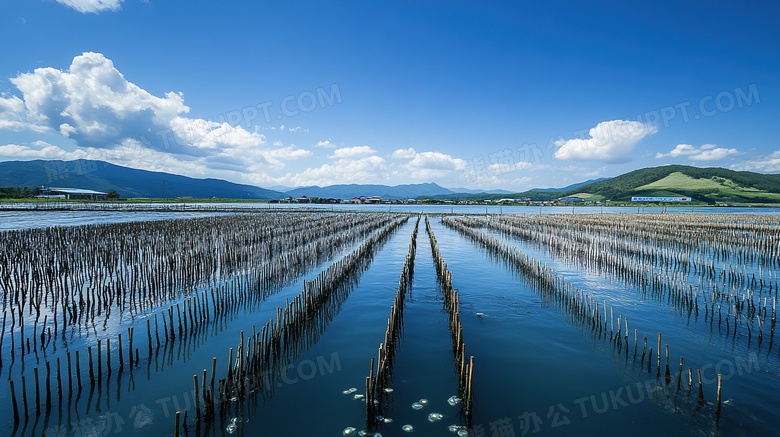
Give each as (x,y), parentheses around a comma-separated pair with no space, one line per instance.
(344,323)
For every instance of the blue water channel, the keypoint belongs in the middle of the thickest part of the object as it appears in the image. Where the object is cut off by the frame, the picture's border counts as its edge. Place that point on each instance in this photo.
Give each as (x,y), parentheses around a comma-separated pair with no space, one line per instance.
(536,372)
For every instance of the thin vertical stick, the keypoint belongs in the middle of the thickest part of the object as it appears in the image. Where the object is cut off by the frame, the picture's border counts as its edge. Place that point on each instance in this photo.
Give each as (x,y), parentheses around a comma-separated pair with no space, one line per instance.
(197,397)
(717,409)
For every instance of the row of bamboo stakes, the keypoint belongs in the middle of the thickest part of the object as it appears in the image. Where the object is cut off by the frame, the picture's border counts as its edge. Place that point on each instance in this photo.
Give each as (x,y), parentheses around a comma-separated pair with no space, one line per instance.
(379,375)
(261,358)
(452,305)
(632,261)
(59,280)
(181,321)
(580,306)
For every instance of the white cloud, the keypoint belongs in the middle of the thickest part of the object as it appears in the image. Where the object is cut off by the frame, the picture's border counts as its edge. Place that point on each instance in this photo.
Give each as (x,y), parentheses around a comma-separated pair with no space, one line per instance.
(94,6)
(764,164)
(93,105)
(681,149)
(11,106)
(288,153)
(706,152)
(325,144)
(610,141)
(713,155)
(15,150)
(353,152)
(404,153)
(204,134)
(12,116)
(368,169)
(431,165)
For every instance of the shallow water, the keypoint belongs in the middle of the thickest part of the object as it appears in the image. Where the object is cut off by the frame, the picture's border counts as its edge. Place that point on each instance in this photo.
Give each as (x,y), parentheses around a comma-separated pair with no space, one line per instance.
(117,213)
(536,372)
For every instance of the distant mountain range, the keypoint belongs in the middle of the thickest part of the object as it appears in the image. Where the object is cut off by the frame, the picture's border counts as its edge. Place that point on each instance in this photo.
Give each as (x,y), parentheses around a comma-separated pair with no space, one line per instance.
(471,191)
(409,191)
(128,182)
(134,183)
(705,185)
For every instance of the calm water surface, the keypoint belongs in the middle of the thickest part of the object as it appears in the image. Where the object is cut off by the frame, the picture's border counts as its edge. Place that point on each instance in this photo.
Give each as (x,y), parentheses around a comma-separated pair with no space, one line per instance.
(535,371)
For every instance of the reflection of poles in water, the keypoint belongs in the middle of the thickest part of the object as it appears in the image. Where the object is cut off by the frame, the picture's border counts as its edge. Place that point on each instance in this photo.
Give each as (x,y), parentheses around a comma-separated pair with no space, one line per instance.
(261,359)
(13,400)
(580,306)
(376,384)
(452,305)
(291,245)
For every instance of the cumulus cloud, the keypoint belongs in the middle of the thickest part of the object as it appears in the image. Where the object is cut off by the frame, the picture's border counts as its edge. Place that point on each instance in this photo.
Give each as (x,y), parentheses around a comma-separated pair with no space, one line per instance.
(12,116)
(362,165)
(287,153)
(353,152)
(705,152)
(713,155)
(610,141)
(42,151)
(763,164)
(404,153)
(367,169)
(429,165)
(94,105)
(93,6)
(325,144)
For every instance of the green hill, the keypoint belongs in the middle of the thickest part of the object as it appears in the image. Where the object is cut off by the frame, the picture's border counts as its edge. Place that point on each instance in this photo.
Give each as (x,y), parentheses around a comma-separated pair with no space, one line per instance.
(707,185)
(704,185)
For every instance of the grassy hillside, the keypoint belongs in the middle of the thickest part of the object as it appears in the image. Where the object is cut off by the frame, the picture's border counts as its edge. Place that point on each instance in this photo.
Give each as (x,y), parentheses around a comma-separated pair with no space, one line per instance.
(704,185)
(708,185)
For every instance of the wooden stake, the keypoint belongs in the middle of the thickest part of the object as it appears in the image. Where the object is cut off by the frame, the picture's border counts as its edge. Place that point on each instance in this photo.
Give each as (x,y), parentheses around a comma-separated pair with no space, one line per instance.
(719,385)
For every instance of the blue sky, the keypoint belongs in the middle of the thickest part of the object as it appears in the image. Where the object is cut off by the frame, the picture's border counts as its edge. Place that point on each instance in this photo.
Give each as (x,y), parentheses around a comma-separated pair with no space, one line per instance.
(510,95)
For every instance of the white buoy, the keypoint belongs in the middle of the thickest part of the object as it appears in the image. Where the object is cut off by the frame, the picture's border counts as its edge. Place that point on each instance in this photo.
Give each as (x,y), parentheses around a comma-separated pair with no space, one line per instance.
(417,406)
(424,401)
(407,428)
